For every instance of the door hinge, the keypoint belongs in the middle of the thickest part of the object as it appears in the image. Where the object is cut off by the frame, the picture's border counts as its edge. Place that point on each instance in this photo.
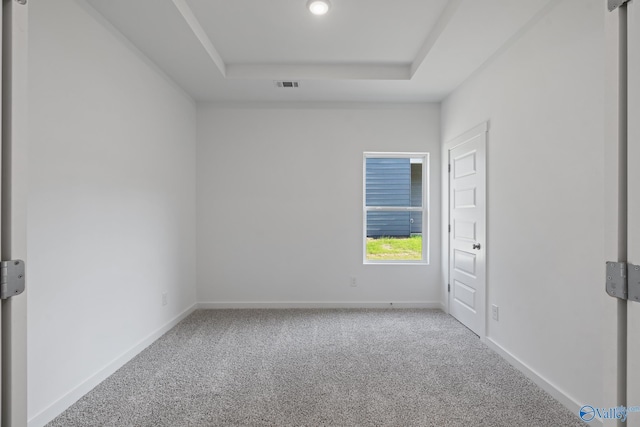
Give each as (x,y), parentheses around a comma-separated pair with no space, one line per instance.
(449,228)
(614,4)
(448,287)
(623,281)
(449,168)
(11,278)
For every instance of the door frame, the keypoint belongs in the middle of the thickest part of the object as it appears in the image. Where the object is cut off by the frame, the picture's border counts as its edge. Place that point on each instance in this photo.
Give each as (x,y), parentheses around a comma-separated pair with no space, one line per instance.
(14,207)
(614,311)
(632,27)
(446,215)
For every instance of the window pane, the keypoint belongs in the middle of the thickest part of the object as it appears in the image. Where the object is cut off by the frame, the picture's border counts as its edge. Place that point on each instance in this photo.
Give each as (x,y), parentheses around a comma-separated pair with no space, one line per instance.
(416,183)
(390,238)
(416,222)
(392,185)
(388,182)
(389,224)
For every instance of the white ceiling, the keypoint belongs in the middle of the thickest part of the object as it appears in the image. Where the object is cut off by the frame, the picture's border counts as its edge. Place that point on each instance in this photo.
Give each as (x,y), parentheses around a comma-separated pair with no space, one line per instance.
(284,32)
(361,51)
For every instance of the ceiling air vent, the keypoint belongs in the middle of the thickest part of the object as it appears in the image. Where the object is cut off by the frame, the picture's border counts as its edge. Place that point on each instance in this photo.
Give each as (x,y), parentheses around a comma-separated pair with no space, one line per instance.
(287,84)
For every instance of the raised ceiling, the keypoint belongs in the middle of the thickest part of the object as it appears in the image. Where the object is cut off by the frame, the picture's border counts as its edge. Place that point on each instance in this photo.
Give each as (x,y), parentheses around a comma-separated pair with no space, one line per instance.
(361,51)
(284,32)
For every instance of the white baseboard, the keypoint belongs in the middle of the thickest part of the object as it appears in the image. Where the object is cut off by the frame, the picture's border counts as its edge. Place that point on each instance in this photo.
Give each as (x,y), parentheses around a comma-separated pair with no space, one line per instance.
(60,405)
(319,304)
(558,394)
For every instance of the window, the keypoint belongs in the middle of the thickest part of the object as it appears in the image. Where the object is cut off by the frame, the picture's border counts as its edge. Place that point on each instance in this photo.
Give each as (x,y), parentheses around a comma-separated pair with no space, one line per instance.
(395,208)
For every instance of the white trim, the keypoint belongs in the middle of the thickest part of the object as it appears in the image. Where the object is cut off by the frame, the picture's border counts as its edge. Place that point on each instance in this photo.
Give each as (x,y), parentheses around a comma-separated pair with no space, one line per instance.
(560,395)
(433,305)
(468,135)
(393,208)
(425,208)
(395,154)
(394,262)
(72,396)
(375,71)
(15,174)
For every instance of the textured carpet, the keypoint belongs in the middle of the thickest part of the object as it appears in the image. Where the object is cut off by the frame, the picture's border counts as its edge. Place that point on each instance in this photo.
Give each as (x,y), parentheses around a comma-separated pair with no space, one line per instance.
(317,368)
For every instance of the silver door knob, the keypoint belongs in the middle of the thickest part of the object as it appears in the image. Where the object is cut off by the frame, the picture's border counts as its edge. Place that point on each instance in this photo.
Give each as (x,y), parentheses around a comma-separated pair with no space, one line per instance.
(476,246)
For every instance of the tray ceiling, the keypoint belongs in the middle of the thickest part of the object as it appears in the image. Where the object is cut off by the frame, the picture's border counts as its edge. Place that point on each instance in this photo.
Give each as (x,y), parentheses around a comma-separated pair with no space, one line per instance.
(361,51)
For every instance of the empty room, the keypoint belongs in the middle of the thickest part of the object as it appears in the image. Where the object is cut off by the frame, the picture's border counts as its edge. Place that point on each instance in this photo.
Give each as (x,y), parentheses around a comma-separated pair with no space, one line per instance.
(323,212)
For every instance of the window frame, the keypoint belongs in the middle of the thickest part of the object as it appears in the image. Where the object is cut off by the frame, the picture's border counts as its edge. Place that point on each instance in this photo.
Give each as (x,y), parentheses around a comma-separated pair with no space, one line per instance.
(426,217)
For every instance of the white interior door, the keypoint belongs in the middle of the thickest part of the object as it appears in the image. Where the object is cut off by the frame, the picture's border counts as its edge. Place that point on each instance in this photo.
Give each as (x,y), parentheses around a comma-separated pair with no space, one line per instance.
(633,200)
(467,235)
(14,204)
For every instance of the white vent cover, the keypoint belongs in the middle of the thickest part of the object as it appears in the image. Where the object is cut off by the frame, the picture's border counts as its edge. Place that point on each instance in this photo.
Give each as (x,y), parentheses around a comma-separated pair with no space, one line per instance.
(287,84)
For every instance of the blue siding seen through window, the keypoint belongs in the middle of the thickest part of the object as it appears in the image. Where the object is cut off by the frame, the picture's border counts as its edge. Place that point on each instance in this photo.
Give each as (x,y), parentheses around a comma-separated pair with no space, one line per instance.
(388,182)
(393,182)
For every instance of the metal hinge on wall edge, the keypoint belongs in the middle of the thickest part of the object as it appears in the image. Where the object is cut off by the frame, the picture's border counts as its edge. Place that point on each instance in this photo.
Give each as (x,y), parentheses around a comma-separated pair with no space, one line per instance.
(623,281)
(614,4)
(11,278)
(448,287)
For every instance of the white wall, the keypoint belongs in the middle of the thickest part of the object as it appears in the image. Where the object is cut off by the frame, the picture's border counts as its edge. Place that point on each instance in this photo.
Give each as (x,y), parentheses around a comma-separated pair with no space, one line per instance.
(111,223)
(280,204)
(544,100)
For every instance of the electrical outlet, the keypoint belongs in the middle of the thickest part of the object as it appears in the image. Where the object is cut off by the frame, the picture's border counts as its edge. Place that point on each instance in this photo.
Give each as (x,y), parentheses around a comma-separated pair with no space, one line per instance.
(353,281)
(494,312)
(165,298)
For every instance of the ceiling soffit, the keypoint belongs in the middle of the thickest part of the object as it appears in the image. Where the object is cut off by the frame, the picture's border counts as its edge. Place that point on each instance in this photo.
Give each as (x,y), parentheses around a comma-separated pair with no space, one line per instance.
(344,70)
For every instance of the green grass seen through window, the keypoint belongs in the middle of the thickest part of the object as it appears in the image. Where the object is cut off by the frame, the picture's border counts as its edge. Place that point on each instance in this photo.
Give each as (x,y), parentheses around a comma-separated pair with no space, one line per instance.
(394,248)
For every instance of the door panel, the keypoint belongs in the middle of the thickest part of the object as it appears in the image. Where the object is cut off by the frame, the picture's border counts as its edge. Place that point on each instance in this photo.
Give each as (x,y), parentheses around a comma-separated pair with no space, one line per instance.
(464,165)
(464,294)
(464,198)
(465,230)
(467,184)
(464,262)
(633,200)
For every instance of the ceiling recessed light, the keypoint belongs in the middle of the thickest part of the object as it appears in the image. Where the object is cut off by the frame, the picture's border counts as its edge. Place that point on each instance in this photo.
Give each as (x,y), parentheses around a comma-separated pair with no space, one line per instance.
(318,7)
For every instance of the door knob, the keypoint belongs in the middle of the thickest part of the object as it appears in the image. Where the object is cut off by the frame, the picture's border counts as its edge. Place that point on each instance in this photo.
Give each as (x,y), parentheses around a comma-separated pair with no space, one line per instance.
(476,246)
